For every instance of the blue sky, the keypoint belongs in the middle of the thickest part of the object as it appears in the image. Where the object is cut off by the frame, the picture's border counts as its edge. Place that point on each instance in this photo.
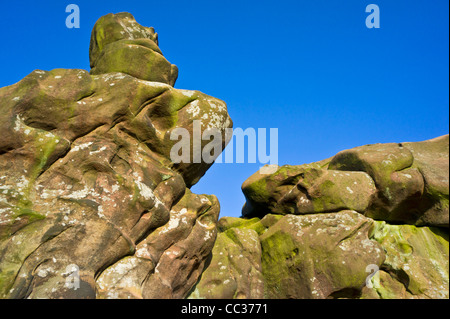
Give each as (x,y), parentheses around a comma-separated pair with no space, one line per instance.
(309,68)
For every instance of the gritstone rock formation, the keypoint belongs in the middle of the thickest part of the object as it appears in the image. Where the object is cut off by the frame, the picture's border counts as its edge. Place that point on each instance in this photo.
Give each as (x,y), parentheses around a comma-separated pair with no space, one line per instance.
(87,186)
(319,230)
(92,206)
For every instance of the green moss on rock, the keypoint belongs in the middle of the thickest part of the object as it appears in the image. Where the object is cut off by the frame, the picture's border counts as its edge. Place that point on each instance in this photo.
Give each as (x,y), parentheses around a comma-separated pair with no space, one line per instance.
(418,257)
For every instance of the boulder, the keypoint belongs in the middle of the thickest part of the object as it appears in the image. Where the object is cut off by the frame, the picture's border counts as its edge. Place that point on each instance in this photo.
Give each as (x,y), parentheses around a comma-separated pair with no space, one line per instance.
(94,202)
(370,222)
(120,44)
(416,265)
(325,256)
(159,267)
(431,159)
(411,179)
(306,189)
(311,256)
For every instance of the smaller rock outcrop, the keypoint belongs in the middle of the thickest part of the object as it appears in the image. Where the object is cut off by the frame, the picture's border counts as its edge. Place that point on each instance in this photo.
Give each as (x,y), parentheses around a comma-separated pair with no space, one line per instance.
(371,222)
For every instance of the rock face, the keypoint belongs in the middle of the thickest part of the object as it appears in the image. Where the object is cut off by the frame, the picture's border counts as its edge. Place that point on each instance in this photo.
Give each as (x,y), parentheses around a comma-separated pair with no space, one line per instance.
(88,190)
(371,222)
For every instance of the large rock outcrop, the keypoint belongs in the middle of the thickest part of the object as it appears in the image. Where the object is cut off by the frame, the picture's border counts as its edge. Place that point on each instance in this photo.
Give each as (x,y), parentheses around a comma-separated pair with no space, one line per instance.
(371,222)
(87,185)
(93,204)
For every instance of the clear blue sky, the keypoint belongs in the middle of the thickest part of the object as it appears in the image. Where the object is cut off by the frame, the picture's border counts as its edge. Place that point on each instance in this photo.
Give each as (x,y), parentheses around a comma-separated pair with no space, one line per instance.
(309,68)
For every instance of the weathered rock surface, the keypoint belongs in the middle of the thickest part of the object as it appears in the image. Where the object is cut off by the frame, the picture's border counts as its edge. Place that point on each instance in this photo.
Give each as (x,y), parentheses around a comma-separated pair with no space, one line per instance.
(120,44)
(307,189)
(324,230)
(402,183)
(235,269)
(307,256)
(412,179)
(87,185)
(416,265)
